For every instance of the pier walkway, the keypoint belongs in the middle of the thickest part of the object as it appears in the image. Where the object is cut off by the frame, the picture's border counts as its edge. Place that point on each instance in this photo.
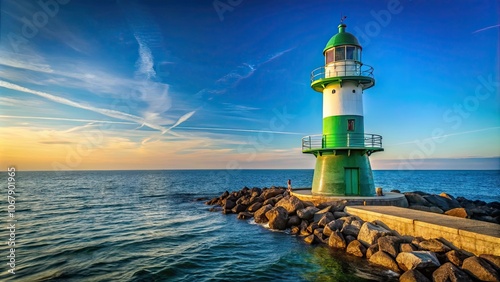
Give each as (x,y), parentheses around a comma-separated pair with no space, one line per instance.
(477,237)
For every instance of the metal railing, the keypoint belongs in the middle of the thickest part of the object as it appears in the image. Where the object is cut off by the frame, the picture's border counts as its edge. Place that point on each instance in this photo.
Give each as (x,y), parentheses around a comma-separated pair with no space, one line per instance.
(349,140)
(344,68)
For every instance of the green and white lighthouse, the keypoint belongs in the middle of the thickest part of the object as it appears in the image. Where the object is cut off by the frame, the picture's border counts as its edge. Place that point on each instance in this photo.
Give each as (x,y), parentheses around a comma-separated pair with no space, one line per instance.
(342,151)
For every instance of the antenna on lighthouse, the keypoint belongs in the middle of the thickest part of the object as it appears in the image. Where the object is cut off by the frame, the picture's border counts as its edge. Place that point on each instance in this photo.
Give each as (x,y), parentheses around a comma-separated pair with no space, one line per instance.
(342,18)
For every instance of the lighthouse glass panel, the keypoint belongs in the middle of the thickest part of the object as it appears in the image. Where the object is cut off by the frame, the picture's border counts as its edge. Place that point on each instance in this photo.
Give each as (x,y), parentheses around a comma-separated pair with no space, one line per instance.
(329,56)
(340,53)
(350,52)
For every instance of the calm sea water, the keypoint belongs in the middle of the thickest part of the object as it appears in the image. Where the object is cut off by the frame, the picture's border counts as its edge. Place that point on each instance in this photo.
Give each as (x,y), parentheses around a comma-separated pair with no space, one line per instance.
(145,226)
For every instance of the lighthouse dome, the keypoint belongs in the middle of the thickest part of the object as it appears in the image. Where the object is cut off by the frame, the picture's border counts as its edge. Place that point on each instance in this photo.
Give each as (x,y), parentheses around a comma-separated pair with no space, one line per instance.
(342,38)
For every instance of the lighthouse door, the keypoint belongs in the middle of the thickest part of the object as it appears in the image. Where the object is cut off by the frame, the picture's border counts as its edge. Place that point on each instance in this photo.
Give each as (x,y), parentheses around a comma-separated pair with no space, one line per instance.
(351,181)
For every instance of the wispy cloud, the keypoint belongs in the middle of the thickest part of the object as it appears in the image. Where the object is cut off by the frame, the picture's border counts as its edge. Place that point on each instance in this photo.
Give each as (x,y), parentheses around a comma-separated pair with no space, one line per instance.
(448,135)
(56,142)
(145,62)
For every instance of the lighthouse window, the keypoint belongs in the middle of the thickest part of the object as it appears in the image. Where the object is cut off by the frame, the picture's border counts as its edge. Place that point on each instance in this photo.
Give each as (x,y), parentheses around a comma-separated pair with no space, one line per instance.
(350,53)
(350,125)
(340,53)
(329,56)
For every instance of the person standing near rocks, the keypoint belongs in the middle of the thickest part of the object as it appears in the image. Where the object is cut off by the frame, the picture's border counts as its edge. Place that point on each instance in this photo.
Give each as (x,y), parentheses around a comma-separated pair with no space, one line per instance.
(289,190)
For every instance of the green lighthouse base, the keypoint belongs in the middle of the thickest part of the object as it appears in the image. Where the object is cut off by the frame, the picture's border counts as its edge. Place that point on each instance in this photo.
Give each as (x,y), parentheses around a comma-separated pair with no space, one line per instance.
(343,173)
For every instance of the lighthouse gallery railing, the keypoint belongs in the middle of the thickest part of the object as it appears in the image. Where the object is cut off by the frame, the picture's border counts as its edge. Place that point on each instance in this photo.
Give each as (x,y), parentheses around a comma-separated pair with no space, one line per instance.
(344,68)
(349,140)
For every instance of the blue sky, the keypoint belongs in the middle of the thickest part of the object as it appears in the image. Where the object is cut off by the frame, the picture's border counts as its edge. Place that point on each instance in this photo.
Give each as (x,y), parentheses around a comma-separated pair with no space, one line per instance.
(225,84)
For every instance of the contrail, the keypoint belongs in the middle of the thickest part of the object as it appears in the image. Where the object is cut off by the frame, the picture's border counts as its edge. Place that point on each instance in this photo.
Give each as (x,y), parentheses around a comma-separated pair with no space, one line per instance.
(64,101)
(67,119)
(486,28)
(240,130)
(76,128)
(180,127)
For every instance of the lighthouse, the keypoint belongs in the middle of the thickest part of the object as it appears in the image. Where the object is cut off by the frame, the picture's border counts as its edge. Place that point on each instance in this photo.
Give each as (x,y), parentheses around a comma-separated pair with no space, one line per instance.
(342,152)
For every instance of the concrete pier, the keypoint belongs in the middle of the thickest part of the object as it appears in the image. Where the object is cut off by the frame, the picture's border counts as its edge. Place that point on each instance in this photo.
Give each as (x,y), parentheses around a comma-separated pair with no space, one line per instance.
(477,237)
(389,199)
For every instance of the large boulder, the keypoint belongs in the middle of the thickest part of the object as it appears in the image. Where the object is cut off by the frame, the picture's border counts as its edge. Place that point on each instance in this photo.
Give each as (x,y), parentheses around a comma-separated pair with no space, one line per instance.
(383,259)
(228,204)
(327,230)
(255,199)
(356,248)
(307,213)
(320,236)
(291,204)
(272,192)
(407,247)
(293,221)
(310,239)
(270,201)
(349,239)
(239,208)
(459,212)
(243,200)
(390,245)
(350,230)
(417,260)
(371,250)
(358,223)
(325,219)
(278,217)
(480,269)
(337,224)
(450,273)
(413,275)
(211,202)
(434,245)
(303,228)
(450,199)
(339,214)
(456,257)
(244,215)
(255,207)
(294,230)
(337,240)
(319,214)
(224,195)
(347,219)
(492,259)
(369,233)
(416,199)
(255,191)
(448,196)
(260,214)
(443,203)
(312,226)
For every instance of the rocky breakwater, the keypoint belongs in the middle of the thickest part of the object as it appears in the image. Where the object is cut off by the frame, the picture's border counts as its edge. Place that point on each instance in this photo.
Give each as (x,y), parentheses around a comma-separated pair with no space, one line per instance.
(416,259)
(447,204)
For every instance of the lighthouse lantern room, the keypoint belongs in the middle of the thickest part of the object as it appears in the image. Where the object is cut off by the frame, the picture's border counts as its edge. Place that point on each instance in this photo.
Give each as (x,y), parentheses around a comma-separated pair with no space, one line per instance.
(342,151)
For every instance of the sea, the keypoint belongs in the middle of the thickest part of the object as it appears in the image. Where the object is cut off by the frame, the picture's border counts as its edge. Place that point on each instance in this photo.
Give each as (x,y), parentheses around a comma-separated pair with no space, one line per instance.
(149,226)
